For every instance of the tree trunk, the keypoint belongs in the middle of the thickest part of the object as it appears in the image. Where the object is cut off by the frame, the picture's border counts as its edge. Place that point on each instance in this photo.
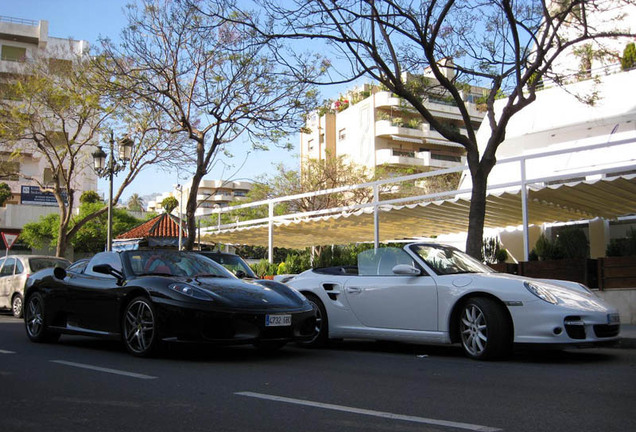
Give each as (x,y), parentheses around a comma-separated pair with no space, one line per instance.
(191,208)
(477,214)
(62,240)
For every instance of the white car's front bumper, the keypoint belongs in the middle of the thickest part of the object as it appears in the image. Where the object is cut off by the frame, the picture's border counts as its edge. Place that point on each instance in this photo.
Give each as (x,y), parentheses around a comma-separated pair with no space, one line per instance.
(537,322)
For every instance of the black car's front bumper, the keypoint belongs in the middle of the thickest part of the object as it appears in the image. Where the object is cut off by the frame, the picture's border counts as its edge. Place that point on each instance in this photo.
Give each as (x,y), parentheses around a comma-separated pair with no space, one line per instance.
(177,322)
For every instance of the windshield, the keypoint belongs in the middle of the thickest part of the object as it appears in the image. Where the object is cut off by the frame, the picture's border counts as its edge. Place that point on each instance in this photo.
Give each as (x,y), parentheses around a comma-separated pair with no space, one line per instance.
(173,263)
(233,263)
(445,260)
(38,264)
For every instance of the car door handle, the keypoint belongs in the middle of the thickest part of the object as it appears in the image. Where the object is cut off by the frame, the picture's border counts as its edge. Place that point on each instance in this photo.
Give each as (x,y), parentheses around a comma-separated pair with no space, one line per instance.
(354,290)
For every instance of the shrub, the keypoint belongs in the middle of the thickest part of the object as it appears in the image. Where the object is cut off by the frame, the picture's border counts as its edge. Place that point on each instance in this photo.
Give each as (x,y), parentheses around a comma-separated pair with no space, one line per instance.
(547,249)
(628,60)
(572,242)
(491,250)
(623,246)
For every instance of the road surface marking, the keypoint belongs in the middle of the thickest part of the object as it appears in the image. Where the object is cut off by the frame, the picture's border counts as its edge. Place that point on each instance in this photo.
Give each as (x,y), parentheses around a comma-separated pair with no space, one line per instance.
(6,352)
(456,425)
(101,369)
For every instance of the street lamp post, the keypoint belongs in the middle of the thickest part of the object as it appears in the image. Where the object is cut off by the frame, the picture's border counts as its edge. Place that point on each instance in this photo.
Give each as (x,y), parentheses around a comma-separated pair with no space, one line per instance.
(179,187)
(107,169)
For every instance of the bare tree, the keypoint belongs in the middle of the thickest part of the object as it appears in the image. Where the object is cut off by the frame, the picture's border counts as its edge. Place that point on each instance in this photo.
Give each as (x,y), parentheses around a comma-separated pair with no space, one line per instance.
(57,109)
(508,47)
(215,80)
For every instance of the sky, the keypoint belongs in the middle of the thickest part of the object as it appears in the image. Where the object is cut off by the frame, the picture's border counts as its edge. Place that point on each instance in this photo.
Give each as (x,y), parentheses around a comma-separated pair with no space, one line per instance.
(91,19)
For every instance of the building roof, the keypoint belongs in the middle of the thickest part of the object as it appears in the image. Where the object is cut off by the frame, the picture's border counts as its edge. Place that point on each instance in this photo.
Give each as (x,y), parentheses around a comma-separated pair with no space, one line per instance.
(164,225)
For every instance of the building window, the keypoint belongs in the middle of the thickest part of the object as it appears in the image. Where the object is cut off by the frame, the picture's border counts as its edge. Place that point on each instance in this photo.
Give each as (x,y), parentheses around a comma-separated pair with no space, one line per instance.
(445,157)
(48,178)
(240,193)
(342,134)
(9,170)
(12,53)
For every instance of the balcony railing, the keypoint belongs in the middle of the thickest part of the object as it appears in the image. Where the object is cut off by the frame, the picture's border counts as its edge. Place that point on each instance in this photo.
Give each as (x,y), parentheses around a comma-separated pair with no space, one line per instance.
(418,159)
(18,20)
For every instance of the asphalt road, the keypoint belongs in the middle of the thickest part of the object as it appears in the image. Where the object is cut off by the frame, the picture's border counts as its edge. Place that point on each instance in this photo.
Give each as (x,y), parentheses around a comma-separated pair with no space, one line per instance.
(82,384)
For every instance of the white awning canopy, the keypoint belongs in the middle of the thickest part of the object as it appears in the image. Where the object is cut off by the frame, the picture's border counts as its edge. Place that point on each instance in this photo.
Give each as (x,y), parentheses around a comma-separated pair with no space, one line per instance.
(605,198)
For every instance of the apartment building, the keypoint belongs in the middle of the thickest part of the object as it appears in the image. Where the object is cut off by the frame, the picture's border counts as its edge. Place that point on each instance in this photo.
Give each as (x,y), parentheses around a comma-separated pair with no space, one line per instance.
(21,42)
(375,128)
(211,194)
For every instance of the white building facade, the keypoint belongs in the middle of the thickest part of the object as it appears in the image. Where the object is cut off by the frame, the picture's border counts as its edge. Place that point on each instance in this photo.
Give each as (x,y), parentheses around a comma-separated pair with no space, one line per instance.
(374,128)
(23,41)
(210,195)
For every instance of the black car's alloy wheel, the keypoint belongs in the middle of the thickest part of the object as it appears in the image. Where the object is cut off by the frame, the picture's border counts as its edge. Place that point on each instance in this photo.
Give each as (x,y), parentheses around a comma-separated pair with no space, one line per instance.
(34,320)
(140,327)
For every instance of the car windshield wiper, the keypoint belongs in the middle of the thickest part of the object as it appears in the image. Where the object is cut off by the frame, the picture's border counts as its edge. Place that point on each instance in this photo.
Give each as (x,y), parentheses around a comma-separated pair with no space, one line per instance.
(208,275)
(155,274)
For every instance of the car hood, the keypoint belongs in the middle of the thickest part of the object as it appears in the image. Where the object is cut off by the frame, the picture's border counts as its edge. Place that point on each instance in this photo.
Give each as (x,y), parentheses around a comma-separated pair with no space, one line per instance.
(247,294)
(569,294)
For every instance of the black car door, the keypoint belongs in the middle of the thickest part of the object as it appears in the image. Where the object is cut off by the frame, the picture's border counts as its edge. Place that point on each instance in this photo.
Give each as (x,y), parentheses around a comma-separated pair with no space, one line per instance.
(93,298)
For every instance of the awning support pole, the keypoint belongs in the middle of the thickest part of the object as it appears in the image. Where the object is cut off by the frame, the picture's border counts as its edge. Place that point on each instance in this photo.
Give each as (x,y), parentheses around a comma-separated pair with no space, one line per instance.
(270,234)
(376,217)
(524,210)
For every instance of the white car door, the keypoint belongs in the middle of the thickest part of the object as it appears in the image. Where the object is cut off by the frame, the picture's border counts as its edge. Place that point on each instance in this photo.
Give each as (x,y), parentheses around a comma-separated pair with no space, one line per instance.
(6,281)
(4,287)
(390,301)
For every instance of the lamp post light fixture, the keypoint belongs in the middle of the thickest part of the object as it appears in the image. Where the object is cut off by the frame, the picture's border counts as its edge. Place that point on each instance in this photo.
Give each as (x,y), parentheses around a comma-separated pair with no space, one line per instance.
(106,166)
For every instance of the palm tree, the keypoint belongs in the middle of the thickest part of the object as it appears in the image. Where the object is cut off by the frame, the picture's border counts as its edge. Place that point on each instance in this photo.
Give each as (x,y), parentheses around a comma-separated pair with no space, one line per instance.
(136,203)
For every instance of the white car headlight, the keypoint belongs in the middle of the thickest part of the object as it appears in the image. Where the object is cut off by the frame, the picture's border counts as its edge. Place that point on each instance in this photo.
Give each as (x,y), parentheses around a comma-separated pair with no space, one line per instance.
(541,291)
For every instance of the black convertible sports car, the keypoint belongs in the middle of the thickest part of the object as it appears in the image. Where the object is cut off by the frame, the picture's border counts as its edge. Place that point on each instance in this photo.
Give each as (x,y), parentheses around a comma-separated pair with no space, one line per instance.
(148,296)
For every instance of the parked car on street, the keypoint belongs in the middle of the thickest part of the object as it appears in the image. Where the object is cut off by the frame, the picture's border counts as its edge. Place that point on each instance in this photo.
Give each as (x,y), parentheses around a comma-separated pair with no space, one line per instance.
(146,297)
(14,272)
(430,293)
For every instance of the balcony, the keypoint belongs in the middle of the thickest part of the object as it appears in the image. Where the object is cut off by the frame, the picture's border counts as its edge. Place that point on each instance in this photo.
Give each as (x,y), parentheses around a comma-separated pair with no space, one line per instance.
(386,99)
(216,198)
(424,159)
(387,129)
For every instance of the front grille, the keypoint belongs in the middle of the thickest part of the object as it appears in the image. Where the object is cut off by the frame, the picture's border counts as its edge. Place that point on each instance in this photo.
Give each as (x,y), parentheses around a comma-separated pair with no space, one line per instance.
(574,327)
(606,330)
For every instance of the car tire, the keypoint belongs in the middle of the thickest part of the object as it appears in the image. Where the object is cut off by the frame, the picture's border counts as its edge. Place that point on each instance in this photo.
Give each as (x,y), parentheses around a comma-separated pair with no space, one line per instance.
(322,324)
(139,328)
(17,305)
(484,330)
(35,320)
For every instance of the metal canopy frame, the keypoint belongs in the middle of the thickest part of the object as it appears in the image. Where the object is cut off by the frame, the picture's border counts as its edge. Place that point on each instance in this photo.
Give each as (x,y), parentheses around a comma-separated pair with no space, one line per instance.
(528,201)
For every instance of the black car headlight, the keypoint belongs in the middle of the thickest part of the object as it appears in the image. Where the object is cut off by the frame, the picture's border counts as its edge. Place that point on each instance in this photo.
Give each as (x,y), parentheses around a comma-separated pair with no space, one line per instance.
(191,291)
(541,291)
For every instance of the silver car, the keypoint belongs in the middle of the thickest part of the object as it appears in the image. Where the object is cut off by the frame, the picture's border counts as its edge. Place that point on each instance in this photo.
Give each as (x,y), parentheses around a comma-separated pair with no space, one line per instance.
(14,272)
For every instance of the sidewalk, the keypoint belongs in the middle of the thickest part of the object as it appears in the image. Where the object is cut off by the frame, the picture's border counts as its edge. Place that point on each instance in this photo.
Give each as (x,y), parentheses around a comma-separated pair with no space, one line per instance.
(628,336)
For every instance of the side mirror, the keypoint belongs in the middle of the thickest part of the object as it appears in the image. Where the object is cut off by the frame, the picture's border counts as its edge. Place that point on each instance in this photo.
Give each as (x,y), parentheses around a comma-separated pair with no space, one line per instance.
(240,274)
(59,273)
(107,269)
(406,270)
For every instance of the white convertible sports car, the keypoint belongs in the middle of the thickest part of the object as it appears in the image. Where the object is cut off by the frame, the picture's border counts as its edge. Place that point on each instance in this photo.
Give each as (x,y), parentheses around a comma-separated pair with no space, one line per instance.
(429,293)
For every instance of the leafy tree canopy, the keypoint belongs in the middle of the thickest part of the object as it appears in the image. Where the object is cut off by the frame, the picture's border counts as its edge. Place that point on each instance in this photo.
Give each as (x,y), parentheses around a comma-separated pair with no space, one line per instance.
(5,193)
(169,203)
